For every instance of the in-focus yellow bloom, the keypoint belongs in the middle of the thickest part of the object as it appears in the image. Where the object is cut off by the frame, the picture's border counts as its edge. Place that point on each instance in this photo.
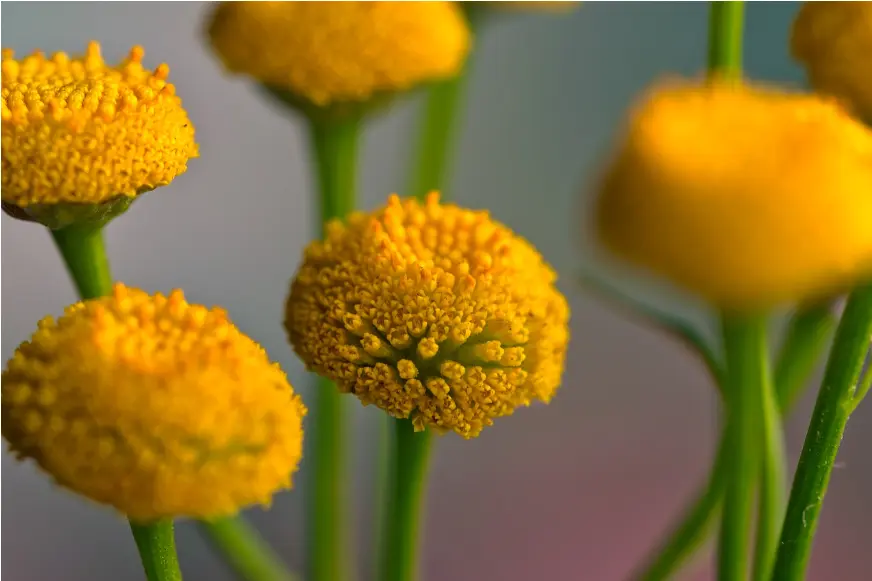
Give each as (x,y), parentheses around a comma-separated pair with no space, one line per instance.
(152,405)
(746,195)
(76,130)
(336,52)
(833,40)
(431,312)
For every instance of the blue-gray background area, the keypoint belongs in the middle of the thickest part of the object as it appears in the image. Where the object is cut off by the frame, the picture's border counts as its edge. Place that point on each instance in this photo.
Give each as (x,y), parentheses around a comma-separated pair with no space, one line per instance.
(575,491)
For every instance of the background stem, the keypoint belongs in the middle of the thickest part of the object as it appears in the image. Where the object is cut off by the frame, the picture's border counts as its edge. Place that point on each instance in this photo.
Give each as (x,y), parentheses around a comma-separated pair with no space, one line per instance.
(834,405)
(808,334)
(409,462)
(335,145)
(157,549)
(249,556)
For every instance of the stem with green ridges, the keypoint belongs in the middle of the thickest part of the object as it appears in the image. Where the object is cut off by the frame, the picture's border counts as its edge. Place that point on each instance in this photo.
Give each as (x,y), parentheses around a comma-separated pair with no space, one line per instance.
(246,552)
(835,403)
(157,549)
(335,145)
(409,463)
(443,108)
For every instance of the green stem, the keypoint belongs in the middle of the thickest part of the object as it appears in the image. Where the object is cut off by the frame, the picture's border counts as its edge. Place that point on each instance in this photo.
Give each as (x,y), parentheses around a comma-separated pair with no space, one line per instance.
(864,387)
(807,336)
(834,405)
(84,254)
(382,484)
(441,117)
(248,554)
(725,38)
(410,456)
(744,345)
(157,548)
(335,145)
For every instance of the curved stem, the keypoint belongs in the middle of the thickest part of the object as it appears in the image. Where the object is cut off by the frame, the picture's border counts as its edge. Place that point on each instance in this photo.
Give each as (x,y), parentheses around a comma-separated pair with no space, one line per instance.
(335,149)
(409,462)
(834,405)
(157,549)
(248,554)
(84,254)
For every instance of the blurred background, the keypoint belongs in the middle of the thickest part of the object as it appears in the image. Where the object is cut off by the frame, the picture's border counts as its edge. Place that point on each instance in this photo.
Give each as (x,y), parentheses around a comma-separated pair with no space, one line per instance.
(576,491)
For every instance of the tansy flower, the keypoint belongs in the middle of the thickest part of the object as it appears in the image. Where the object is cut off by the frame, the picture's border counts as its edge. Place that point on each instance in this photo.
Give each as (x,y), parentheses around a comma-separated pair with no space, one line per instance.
(746,195)
(331,53)
(430,312)
(79,131)
(152,405)
(833,41)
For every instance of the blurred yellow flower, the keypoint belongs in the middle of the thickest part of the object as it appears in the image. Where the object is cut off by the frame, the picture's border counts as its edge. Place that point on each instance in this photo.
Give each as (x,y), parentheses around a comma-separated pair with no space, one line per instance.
(78,130)
(334,52)
(152,405)
(746,195)
(431,312)
(833,40)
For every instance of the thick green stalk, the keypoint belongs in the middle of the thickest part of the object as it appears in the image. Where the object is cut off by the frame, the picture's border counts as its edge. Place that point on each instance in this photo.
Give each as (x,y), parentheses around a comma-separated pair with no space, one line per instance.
(334,144)
(157,549)
(744,345)
(409,462)
(84,254)
(246,552)
(835,402)
(725,38)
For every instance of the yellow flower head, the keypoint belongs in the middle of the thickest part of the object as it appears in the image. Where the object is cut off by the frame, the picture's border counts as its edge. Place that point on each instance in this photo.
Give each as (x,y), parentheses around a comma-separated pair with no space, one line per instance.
(335,52)
(748,196)
(154,406)
(431,312)
(76,130)
(833,40)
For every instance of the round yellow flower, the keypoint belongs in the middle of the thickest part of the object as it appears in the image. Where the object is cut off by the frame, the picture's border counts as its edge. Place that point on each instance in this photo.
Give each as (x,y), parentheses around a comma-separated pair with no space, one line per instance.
(80,131)
(154,406)
(746,195)
(335,52)
(431,312)
(833,40)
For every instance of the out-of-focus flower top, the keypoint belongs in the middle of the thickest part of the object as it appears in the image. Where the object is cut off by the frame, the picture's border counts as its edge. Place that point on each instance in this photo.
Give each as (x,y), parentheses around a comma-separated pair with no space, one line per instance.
(833,41)
(152,405)
(748,196)
(431,312)
(76,130)
(339,52)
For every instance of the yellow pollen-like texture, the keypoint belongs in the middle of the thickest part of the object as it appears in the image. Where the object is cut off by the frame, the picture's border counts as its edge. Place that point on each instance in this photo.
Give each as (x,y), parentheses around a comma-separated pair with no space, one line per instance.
(833,41)
(76,130)
(431,312)
(745,195)
(334,52)
(154,406)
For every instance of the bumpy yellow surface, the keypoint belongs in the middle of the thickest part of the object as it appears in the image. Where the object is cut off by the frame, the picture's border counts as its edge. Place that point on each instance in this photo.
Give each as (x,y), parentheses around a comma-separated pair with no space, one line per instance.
(833,40)
(79,130)
(431,312)
(152,405)
(745,195)
(330,52)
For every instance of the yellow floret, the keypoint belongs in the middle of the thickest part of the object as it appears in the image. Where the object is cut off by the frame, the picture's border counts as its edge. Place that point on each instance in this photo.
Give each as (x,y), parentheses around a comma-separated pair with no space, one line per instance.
(746,195)
(334,52)
(154,406)
(833,40)
(77,130)
(431,312)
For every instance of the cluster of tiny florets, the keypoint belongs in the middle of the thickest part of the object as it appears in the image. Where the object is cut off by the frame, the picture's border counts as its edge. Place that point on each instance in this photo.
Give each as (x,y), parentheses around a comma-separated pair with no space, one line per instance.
(152,405)
(431,312)
(77,130)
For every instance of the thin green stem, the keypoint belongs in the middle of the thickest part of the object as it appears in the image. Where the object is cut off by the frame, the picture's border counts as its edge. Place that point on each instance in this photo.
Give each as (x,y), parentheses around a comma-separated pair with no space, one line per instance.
(834,405)
(157,549)
(245,550)
(335,146)
(84,254)
(410,454)
(440,119)
(725,38)
(744,339)
(806,338)
(864,387)
(382,488)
